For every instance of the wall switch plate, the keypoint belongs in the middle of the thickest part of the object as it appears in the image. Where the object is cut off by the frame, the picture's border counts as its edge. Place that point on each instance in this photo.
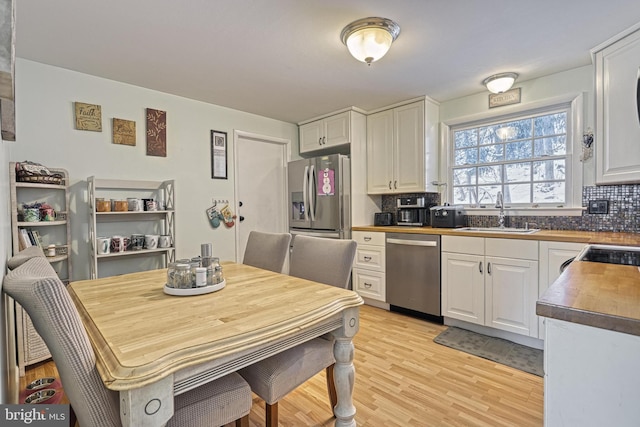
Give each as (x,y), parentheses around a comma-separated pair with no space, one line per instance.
(600,206)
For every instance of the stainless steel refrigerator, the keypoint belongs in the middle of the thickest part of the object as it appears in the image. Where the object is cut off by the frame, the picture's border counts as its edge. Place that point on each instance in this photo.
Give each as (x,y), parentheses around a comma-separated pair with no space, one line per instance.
(320,196)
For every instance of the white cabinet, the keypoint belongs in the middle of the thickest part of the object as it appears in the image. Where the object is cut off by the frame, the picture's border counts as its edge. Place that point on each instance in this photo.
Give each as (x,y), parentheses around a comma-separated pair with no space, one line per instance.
(617,62)
(369,265)
(402,148)
(329,132)
(552,257)
(126,223)
(30,346)
(491,282)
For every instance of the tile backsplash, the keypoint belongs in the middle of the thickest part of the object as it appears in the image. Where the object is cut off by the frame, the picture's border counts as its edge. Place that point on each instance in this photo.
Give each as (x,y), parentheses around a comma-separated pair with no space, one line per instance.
(623,216)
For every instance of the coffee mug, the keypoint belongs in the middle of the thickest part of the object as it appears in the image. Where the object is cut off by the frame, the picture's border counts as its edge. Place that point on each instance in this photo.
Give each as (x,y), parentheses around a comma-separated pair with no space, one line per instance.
(117,244)
(150,204)
(137,242)
(31,215)
(164,241)
(103,245)
(151,241)
(135,205)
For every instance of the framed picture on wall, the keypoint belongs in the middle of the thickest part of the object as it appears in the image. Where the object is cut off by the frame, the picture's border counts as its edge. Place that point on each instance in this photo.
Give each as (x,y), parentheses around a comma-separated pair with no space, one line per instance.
(218,155)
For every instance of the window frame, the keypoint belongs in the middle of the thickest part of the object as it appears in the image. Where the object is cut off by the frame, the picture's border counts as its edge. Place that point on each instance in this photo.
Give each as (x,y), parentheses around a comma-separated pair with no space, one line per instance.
(573,104)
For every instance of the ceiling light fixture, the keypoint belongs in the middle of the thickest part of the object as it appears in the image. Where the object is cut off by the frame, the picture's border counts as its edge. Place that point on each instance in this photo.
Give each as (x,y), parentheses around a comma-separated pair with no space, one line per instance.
(369,39)
(499,83)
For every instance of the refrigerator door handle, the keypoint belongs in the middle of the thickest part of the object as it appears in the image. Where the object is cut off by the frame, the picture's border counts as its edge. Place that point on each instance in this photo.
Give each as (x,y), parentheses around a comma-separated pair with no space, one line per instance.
(305,183)
(312,193)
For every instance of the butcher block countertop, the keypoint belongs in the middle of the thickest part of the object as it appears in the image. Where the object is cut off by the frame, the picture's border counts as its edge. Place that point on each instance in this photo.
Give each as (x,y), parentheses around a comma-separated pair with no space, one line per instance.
(592,237)
(605,296)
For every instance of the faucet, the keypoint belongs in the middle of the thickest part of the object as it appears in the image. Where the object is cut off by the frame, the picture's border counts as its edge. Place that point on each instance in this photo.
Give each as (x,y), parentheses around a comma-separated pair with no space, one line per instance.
(500,205)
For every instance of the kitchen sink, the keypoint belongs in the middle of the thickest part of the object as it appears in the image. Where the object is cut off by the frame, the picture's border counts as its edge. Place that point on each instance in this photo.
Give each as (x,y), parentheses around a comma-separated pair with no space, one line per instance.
(510,230)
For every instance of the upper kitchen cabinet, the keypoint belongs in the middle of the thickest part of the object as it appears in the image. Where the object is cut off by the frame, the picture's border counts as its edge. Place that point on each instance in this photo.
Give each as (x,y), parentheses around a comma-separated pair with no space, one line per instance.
(402,148)
(617,66)
(333,133)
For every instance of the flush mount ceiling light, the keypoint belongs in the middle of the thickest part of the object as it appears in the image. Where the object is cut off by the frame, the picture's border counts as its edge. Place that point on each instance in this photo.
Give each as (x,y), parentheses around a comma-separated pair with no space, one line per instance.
(499,83)
(369,39)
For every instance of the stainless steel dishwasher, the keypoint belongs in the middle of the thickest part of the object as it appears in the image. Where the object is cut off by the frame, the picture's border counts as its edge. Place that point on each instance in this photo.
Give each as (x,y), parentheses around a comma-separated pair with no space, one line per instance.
(413,273)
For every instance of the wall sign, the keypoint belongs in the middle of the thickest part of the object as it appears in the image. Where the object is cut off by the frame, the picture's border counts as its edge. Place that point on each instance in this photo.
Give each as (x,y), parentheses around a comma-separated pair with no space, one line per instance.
(156,133)
(88,117)
(124,132)
(505,98)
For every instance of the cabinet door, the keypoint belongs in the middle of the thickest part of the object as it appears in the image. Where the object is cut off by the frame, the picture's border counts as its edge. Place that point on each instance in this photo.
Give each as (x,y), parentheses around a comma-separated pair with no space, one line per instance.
(552,256)
(408,167)
(380,152)
(463,287)
(311,136)
(337,130)
(511,291)
(618,112)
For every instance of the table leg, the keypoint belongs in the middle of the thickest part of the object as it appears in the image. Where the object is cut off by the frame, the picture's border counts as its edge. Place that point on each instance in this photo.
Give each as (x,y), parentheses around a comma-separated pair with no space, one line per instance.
(344,372)
(149,406)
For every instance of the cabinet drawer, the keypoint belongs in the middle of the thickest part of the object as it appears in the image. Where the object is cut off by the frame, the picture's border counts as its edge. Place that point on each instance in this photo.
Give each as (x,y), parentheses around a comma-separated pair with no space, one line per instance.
(369,284)
(370,257)
(368,238)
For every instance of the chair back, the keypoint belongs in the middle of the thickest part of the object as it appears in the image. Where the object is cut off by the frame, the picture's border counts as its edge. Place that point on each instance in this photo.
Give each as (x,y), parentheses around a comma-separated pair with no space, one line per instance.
(327,261)
(37,288)
(267,250)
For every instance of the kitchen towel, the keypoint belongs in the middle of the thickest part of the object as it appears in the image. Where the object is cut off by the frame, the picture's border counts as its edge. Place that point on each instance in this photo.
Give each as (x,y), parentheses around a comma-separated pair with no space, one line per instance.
(496,349)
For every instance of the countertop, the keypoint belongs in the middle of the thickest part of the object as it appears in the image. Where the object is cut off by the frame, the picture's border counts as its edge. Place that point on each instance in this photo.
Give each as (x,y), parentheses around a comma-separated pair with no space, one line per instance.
(605,296)
(592,237)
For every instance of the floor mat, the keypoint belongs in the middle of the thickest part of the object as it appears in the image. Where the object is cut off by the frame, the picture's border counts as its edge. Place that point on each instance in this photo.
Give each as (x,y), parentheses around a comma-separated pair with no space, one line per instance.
(496,349)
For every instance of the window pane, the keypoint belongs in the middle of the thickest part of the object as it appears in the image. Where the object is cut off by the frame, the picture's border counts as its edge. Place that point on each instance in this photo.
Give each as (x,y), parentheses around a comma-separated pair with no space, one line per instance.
(517,172)
(464,176)
(490,174)
(467,156)
(487,194)
(518,150)
(491,153)
(464,195)
(548,170)
(466,138)
(549,192)
(487,135)
(519,129)
(517,193)
(554,146)
(551,124)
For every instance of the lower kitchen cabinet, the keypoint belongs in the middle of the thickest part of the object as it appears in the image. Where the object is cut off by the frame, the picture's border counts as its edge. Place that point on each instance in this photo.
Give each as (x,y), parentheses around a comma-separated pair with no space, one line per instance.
(369,265)
(552,257)
(491,282)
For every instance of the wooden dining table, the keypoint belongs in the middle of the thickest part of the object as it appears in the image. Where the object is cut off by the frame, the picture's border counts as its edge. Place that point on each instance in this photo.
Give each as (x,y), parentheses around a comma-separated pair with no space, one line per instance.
(151,346)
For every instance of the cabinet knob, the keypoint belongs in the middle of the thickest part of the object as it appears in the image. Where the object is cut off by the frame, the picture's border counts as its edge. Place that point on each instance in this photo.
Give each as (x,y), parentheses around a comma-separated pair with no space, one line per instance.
(367,285)
(480,267)
(367,239)
(389,185)
(395,184)
(241,218)
(488,268)
(320,141)
(367,258)
(324,139)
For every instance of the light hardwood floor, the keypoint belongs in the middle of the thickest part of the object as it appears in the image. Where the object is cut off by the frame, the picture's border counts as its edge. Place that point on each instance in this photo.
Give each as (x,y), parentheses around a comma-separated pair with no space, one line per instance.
(404,379)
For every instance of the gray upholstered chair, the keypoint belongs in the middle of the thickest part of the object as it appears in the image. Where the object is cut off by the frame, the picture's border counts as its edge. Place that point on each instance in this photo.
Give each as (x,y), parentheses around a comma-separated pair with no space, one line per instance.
(267,250)
(327,261)
(37,288)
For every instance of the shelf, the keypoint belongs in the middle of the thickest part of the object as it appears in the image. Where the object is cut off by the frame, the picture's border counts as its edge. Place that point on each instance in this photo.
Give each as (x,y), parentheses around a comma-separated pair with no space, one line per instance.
(140,252)
(40,223)
(57,258)
(35,185)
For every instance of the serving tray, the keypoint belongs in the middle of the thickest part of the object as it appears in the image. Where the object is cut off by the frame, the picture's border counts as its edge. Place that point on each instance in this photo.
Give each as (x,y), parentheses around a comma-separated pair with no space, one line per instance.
(194,291)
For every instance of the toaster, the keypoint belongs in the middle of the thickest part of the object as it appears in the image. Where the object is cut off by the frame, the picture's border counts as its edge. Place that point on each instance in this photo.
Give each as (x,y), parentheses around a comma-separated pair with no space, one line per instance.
(447,216)
(383,218)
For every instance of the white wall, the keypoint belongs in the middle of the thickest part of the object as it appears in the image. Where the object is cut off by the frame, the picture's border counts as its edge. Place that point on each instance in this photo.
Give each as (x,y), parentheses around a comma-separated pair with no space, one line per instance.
(572,82)
(45,134)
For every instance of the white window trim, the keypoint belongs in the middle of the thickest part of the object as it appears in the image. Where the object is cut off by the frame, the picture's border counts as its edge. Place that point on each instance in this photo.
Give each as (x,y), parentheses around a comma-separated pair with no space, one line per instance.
(574,194)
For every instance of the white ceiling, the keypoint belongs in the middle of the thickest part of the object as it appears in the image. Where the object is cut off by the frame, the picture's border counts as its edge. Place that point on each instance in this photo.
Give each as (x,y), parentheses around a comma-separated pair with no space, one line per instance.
(284,59)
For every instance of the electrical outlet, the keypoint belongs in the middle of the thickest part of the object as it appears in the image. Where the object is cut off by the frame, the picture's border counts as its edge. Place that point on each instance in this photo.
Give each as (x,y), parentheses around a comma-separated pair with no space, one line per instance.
(600,206)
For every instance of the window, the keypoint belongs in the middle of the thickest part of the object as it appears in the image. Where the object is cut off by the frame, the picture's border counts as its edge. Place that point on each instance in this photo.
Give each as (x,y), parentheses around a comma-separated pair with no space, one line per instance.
(527,157)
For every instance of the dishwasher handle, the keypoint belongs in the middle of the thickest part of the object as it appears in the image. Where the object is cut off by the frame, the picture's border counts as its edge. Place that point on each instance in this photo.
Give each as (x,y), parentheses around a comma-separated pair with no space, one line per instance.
(412,242)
